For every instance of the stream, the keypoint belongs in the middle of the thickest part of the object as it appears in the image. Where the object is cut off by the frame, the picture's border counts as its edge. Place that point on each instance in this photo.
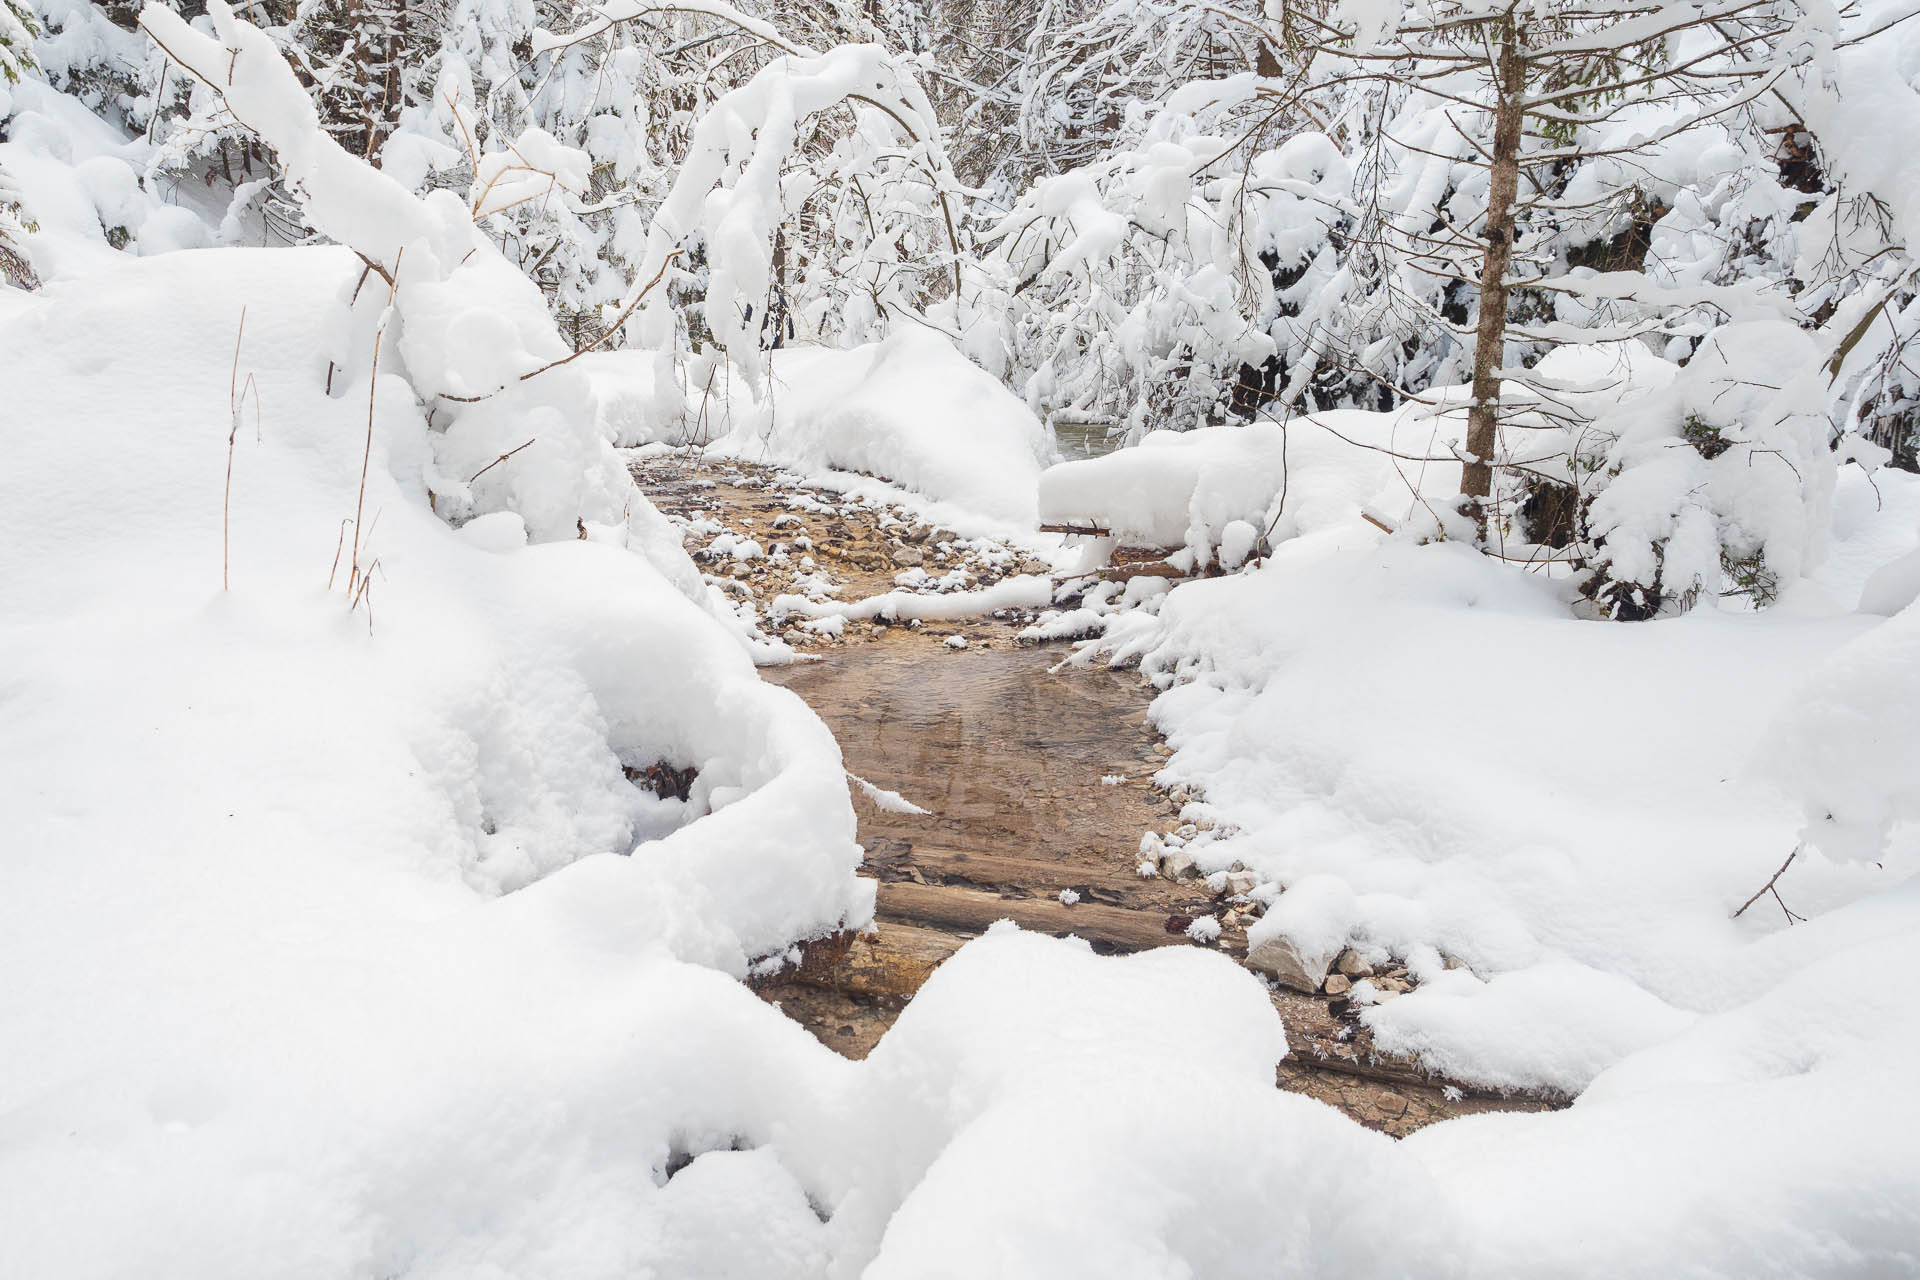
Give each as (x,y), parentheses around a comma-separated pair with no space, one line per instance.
(1036,782)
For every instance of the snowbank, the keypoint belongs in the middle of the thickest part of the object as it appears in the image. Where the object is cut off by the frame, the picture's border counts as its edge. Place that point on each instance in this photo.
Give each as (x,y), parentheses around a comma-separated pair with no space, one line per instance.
(914,410)
(1589,820)
(1185,488)
(1023,591)
(467,723)
(911,409)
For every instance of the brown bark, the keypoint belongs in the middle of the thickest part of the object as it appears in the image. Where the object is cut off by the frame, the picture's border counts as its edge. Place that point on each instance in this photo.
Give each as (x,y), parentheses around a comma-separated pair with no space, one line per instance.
(1503,188)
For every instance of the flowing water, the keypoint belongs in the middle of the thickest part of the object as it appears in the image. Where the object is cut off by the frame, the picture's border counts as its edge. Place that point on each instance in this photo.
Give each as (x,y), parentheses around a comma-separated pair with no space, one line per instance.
(1008,757)
(1036,782)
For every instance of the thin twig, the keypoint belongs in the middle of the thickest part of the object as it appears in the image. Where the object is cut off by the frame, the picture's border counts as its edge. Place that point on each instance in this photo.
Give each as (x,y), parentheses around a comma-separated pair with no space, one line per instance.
(339,545)
(366,458)
(233,432)
(1768,886)
(496,462)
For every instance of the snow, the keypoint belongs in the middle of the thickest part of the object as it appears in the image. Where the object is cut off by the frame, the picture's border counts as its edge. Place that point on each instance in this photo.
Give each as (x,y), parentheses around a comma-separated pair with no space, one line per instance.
(1052,1162)
(1291,709)
(303,899)
(342,940)
(1022,591)
(1217,490)
(261,838)
(888,801)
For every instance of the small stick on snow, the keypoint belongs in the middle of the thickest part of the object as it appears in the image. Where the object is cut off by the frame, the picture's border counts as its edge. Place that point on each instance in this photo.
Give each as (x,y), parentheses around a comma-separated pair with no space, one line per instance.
(1791,917)
(233,432)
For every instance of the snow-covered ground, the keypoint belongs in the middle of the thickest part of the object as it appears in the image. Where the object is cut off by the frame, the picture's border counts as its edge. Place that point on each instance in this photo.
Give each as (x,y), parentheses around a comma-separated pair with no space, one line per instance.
(341,938)
(341,944)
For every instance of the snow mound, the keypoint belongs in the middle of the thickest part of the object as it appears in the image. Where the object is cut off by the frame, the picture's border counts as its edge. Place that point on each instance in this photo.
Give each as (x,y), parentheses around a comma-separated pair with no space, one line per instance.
(1039,1107)
(916,411)
(1589,893)
(1209,488)
(910,409)
(473,719)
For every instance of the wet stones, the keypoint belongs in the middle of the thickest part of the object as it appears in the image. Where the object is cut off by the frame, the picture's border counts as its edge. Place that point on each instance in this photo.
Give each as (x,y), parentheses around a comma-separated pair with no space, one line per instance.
(1176,864)
(1282,960)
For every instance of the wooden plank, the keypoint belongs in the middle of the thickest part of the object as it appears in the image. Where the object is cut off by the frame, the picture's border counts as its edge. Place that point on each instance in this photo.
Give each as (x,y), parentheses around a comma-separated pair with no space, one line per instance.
(970,911)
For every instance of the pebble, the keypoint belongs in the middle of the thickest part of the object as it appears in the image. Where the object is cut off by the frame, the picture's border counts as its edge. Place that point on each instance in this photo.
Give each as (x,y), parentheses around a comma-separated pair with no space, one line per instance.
(1338,984)
(1241,882)
(1353,965)
(1280,958)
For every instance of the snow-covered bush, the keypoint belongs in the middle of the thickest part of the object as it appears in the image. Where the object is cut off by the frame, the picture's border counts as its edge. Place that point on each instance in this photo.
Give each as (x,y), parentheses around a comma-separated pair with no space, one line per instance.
(1718,483)
(746,172)
(14,225)
(17,28)
(438,304)
(1181,276)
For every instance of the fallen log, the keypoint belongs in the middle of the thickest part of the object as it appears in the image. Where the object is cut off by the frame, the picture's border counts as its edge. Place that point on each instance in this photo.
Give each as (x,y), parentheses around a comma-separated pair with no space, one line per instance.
(994,871)
(970,911)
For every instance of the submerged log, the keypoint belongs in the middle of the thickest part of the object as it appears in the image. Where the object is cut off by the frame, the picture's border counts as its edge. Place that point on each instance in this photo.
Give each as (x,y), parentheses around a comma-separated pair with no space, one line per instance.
(970,911)
(997,871)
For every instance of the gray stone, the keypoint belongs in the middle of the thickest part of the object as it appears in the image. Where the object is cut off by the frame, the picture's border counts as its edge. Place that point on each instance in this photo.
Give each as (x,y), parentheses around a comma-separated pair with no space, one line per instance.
(1176,864)
(1279,958)
(908,557)
(1353,965)
(1338,984)
(1241,882)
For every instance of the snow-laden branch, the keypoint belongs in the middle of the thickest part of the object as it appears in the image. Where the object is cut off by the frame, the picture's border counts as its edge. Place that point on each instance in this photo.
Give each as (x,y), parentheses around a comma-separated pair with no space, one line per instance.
(729,191)
(608,16)
(467,314)
(347,200)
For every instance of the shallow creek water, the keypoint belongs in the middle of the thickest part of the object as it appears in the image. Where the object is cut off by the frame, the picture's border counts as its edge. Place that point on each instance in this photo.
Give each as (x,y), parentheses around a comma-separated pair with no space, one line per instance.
(1036,781)
(1010,758)
(1005,755)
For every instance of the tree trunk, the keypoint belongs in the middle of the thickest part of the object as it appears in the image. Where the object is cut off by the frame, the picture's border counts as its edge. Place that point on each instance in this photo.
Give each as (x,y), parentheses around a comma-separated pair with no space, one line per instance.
(1503,188)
